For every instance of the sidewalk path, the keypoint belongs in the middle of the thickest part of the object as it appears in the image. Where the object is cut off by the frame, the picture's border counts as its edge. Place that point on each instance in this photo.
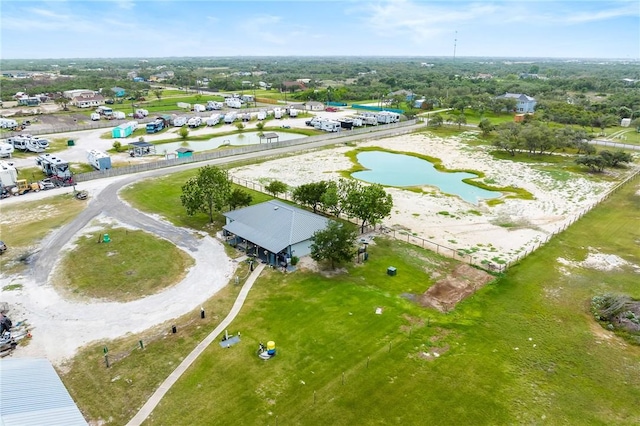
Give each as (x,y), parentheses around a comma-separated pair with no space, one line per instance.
(157,396)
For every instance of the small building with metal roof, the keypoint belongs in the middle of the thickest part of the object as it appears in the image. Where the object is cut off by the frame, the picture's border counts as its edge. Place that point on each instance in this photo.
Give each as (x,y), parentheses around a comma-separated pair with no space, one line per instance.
(270,137)
(33,394)
(273,231)
(141,148)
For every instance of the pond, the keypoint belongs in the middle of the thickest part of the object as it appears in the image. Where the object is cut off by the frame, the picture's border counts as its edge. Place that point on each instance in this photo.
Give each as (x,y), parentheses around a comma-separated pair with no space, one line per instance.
(247,138)
(405,170)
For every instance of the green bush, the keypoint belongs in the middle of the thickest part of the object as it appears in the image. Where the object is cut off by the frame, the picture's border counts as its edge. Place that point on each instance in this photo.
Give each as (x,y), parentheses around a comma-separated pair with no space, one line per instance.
(295,260)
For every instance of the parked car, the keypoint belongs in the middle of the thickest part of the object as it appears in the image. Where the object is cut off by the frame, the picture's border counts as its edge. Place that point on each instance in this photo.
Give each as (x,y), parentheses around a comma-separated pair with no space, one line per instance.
(331,109)
(46,184)
(109,102)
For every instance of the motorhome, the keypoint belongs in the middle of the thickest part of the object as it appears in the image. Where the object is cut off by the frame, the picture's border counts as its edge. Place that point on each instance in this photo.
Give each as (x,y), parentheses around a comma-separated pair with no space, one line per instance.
(155,126)
(27,142)
(262,114)
(7,123)
(179,121)
(8,174)
(194,122)
(246,117)
(54,167)
(100,160)
(119,115)
(142,112)
(357,122)
(213,120)
(6,150)
(230,117)
(277,113)
(104,111)
(199,108)
(293,112)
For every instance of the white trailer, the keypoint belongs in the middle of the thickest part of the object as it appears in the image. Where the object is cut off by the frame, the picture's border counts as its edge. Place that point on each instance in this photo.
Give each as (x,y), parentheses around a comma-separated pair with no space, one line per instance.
(233,103)
(330,126)
(194,122)
(6,150)
(95,116)
(100,160)
(133,124)
(214,106)
(179,121)
(119,115)
(142,112)
(277,113)
(293,112)
(199,108)
(230,117)
(184,105)
(246,117)
(213,120)
(262,114)
(8,174)
(7,123)
(388,117)
(357,122)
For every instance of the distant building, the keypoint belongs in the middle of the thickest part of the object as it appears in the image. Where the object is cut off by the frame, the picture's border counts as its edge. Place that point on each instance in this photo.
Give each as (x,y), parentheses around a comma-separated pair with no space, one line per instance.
(314,106)
(525,104)
(87,99)
(293,85)
(118,91)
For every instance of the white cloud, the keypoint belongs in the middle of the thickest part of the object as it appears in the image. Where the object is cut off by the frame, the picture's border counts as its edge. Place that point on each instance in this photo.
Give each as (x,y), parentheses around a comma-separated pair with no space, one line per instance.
(125,4)
(631,10)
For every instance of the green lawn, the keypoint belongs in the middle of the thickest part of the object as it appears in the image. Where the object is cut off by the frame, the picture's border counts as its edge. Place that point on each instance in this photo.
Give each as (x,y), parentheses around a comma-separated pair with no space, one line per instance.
(133,264)
(523,350)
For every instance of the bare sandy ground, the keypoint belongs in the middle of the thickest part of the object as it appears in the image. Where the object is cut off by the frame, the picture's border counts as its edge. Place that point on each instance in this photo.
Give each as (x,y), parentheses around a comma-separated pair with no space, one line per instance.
(448,220)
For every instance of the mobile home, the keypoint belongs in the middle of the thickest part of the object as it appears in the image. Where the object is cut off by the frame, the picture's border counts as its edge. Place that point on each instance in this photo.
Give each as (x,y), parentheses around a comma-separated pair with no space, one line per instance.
(122,131)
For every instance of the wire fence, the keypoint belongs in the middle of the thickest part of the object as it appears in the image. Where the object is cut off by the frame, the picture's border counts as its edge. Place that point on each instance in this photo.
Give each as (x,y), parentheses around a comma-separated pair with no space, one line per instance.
(450,252)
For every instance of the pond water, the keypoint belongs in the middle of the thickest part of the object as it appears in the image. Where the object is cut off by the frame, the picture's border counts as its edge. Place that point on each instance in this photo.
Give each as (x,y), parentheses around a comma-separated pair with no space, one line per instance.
(247,138)
(405,170)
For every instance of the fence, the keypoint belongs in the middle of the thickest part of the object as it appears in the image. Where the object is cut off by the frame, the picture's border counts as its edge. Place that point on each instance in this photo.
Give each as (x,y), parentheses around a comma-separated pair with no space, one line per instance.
(345,136)
(375,108)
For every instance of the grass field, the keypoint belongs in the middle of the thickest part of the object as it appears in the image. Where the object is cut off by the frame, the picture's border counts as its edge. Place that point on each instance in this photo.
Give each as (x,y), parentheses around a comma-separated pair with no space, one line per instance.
(132,265)
(523,350)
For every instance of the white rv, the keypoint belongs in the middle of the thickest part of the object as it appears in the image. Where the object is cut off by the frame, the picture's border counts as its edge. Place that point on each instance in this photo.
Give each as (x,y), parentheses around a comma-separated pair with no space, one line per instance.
(387,117)
(213,120)
(6,149)
(100,160)
(95,116)
(277,113)
(293,112)
(184,105)
(194,122)
(246,117)
(230,117)
(119,115)
(142,112)
(179,121)
(233,103)
(214,106)
(262,114)
(330,126)
(8,174)
(199,108)
(7,123)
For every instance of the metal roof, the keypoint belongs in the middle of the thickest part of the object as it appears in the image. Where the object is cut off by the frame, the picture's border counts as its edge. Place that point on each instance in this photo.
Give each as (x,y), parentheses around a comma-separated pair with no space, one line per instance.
(274,225)
(33,394)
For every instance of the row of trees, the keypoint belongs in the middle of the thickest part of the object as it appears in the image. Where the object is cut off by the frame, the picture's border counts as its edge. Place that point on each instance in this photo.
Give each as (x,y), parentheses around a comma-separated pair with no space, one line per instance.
(367,203)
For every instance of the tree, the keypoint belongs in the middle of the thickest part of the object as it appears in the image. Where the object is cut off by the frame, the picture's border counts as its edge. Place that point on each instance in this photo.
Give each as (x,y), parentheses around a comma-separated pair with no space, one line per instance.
(158,93)
(63,101)
(276,187)
(595,162)
(334,198)
(486,126)
(117,146)
(239,126)
(436,120)
(369,203)
(460,120)
(260,125)
(183,132)
(207,192)
(239,198)
(336,243)
(310,194)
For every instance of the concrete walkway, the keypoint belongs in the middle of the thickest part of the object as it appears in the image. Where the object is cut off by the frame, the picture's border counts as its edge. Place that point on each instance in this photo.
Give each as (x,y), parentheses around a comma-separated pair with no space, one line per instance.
(154,400)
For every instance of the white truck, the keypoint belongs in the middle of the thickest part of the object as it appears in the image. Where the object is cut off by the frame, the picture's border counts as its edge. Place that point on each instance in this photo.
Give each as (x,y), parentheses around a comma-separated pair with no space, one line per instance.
(213,120)
(194,122)
(230,117)
(95,116)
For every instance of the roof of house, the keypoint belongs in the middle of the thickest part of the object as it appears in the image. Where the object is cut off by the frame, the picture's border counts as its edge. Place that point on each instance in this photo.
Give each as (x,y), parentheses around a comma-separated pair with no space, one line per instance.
(141,144)
(88,96)
(274,225)
(270,135)
(33,394)
(519,96)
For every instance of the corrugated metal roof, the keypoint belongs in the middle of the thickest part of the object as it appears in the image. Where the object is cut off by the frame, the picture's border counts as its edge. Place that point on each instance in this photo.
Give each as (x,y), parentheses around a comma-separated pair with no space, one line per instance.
(274,225)
(34,395)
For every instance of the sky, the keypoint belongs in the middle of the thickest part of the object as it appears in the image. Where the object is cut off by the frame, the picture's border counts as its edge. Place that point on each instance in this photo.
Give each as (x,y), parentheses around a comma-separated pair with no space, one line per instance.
(417,28)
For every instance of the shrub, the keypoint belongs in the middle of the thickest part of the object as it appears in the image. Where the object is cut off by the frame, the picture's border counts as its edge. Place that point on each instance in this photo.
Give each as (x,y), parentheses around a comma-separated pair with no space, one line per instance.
(295,260)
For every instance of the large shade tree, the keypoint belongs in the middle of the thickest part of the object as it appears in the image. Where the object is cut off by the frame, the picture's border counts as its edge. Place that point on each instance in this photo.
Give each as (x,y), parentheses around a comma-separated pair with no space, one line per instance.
(335,244)
(369,203)
(207,192)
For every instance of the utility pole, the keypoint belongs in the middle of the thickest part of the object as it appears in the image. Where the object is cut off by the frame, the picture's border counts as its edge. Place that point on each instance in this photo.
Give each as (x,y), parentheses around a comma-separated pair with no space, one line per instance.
(455,41)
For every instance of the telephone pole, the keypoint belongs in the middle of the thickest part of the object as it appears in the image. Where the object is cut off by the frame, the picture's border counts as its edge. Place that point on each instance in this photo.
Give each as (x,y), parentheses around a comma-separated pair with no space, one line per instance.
(455,41)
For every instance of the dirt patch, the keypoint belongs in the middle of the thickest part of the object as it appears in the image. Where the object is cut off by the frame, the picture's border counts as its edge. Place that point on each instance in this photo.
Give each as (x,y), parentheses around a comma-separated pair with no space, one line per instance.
(463,281)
